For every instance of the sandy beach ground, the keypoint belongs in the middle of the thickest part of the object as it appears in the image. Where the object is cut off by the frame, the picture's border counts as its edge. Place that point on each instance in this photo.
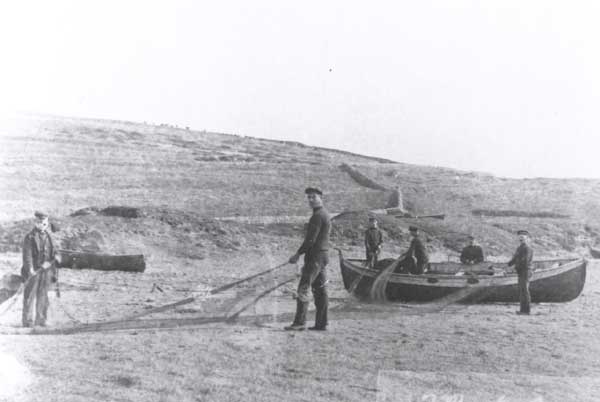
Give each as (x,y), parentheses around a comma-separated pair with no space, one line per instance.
(371,352)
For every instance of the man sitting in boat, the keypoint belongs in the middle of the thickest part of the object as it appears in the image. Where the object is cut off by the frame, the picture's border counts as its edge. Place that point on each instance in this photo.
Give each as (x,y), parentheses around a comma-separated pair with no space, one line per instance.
(416,258)
(373,242)
(472,253)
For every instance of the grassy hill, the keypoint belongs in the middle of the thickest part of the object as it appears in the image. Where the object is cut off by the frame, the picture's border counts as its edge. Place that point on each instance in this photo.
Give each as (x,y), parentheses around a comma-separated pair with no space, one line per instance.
(183,180)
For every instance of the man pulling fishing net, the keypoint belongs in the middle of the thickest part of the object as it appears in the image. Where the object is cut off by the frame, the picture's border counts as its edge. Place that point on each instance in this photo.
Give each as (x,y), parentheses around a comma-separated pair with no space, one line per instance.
(38,271)
(314,272)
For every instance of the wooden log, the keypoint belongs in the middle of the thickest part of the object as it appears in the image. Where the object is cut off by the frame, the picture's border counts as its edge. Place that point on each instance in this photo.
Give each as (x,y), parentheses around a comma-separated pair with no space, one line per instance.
(103,262)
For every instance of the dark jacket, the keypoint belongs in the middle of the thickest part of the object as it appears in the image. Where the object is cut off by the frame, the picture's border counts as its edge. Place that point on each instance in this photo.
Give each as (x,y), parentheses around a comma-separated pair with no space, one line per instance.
(317,234)
(373,239)
(38,247)
(471,255)
(418,251)
(522,258)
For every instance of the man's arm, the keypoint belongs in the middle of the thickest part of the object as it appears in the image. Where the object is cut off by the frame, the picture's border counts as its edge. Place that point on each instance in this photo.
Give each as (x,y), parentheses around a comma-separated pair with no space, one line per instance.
(515,259)
(314,226)
(27,257)
(480,257)
(421,251)
(411,249)
(463,256)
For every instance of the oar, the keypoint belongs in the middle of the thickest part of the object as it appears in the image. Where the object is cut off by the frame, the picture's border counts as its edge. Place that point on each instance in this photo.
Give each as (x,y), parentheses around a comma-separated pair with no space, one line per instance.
(438,216)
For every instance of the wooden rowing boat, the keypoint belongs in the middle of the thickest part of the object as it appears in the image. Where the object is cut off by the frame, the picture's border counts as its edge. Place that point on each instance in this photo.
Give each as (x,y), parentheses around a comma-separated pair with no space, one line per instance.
(103,262)
(552,281)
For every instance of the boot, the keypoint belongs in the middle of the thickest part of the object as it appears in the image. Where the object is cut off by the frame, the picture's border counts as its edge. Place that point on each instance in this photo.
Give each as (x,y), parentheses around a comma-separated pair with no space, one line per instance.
(299,323)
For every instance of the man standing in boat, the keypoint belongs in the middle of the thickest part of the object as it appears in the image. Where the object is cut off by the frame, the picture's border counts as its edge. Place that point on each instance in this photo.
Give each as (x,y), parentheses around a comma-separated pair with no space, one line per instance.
(472,253)
(314,274)
(522,262)
(416,258)
(373,242)
(39,257)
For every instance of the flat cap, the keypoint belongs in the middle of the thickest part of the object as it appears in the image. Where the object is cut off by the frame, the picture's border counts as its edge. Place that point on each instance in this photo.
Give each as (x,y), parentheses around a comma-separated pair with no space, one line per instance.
(372,218)
(313,190)
(471,237)
(523,232)
(413,228)
(40,215)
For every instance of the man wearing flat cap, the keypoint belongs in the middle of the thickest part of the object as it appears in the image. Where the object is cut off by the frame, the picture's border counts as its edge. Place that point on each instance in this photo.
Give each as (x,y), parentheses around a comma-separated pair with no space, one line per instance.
(416,258)
(39,256)
(472,253)
(314,274)
(373,242)
(522,262)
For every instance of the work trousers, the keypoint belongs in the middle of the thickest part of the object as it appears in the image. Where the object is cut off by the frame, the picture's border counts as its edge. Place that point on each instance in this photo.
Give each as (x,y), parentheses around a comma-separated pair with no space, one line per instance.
(524,295)
(36,290)
(372,258)
(314,276)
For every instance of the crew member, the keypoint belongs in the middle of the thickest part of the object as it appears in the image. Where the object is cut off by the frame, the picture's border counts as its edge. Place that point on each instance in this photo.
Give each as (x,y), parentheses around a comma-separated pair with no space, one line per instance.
(472,253)
(314,271)
(373,242)
(522,262)
(39,268)
(416,258)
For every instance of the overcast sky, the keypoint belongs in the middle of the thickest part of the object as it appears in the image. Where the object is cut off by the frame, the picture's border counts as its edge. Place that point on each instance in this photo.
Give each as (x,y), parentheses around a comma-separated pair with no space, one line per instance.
(506,87)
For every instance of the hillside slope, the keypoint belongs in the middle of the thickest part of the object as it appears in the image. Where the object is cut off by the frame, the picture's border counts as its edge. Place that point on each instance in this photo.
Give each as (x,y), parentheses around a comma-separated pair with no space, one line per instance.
(62,165)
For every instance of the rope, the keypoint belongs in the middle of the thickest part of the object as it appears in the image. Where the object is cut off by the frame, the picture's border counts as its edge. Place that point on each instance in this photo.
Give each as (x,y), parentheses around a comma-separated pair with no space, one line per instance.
(235,316)
(69,315)
(232,284)
(14,299)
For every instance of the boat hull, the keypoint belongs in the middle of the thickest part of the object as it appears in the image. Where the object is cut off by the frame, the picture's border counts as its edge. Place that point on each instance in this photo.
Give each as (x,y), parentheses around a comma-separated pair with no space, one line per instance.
(561,281)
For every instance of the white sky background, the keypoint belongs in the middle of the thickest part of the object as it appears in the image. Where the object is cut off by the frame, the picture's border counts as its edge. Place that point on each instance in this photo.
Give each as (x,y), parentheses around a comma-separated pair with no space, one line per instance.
(506,87)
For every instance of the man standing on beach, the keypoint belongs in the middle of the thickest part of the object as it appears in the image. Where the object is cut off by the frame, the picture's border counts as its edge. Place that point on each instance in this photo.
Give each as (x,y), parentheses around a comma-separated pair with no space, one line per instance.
(472,253)
(522,262)
(373,242)
(314,274)
(39,256)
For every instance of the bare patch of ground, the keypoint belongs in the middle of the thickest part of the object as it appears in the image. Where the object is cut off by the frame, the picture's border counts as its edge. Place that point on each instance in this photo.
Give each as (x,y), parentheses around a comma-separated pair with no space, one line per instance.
(258,361)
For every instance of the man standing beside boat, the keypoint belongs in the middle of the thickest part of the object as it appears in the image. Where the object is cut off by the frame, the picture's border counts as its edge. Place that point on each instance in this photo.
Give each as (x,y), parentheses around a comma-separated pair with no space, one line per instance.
(39,256)
(522,262)
(314,274)
(472,253)
(373,242)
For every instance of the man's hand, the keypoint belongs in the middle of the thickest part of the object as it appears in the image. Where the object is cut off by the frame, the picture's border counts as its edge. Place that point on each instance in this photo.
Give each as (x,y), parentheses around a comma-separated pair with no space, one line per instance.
(46,265)
(294,259)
